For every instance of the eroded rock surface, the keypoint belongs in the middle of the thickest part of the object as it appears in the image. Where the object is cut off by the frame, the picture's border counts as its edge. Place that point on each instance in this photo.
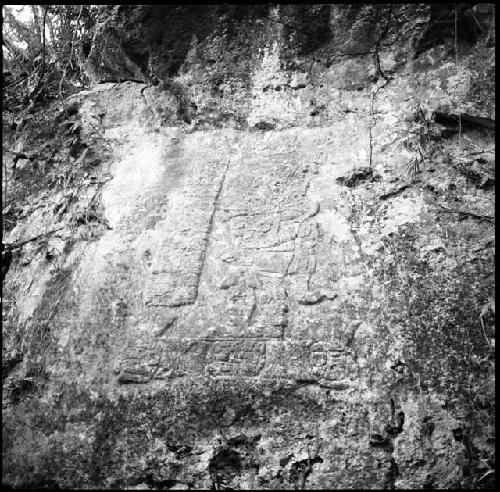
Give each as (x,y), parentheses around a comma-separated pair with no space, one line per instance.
(273,303)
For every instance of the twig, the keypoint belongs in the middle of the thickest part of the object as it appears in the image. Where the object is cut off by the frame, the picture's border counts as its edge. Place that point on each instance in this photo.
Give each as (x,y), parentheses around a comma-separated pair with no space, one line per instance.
(468,214)
(13,246)
(6,181)
(481,152)
(487,474)
(484,331)
(370,128)
(456,63)
(53,311)
(395,192)
(473,15)
(70,56)
(46,9)
(100,135)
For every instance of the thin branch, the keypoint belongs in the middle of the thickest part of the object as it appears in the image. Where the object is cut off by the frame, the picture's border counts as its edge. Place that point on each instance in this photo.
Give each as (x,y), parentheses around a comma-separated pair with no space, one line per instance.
(456,63)
(46,9)
(36,24)
(6,181)
(395,192)
(481,152)
(51,29)
(73,35)
(463,213)
(484,331)
(18,245)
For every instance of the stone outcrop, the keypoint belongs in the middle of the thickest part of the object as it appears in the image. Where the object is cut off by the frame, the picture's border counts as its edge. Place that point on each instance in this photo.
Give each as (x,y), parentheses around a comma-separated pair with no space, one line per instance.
(273,302)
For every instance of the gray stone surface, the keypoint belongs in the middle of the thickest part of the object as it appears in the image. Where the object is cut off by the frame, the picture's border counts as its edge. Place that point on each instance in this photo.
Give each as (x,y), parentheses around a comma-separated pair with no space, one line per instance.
(274,304)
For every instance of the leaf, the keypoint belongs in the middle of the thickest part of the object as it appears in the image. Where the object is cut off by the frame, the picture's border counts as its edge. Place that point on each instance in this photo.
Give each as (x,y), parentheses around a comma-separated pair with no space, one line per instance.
(76,125)
(487,474)
(490,305)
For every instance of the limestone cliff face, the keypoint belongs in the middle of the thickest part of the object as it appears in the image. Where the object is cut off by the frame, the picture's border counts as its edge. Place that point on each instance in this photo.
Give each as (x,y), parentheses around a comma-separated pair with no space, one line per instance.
(286,280)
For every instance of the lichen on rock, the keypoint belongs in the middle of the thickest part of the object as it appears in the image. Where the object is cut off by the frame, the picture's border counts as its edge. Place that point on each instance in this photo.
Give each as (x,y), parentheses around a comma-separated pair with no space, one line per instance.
(273,262)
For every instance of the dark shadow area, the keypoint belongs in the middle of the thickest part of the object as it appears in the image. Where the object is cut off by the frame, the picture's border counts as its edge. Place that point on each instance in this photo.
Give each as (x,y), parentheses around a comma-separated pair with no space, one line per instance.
(157,38)
(309,25)
(467,121)
(441,26)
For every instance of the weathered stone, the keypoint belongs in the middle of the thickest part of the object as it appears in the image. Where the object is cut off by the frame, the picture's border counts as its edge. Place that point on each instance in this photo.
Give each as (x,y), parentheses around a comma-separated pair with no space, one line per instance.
(270,269)
(133,378)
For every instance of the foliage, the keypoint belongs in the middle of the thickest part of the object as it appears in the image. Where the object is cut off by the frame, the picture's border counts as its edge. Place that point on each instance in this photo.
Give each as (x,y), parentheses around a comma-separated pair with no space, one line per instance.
(421,132)
(44,57)
(48,154)
(44,146)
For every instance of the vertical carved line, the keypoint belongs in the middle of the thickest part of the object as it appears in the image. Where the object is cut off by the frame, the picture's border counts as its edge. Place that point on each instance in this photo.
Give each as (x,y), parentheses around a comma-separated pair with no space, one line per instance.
(210,228)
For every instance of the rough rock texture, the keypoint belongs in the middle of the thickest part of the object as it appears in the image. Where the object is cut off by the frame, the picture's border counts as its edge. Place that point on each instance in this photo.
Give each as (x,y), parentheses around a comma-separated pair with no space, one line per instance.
(267,300)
